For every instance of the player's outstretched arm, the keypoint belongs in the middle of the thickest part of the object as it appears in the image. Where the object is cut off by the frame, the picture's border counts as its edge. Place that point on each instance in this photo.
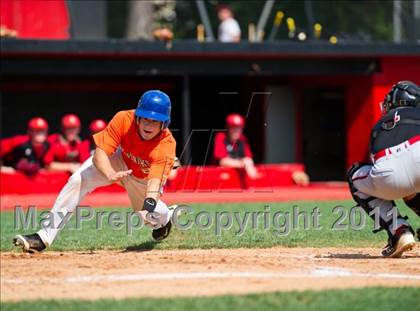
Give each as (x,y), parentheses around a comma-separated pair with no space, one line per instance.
(103,164)
(62,167)
(153,191)
(231,162)
(154,186)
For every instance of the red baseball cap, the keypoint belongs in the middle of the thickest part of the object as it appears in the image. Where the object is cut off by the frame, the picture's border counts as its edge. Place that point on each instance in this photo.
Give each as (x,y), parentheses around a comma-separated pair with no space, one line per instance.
(235,120)
(97,125)
(70,121)
(38,123)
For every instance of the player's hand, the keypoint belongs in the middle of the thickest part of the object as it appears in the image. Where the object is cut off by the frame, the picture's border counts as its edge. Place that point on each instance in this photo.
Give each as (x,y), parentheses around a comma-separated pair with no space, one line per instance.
(117,176)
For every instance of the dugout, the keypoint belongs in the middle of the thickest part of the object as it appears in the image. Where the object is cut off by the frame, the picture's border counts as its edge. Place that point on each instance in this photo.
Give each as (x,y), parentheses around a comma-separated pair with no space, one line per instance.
(305,102)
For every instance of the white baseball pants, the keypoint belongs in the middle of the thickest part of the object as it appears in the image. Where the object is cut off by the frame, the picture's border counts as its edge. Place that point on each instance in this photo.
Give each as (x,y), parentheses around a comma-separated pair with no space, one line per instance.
(395,176)
(86,179)
(392,177)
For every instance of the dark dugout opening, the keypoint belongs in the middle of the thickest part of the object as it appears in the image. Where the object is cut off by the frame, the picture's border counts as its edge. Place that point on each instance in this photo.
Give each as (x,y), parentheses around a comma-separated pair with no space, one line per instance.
(212,99)
(324,137)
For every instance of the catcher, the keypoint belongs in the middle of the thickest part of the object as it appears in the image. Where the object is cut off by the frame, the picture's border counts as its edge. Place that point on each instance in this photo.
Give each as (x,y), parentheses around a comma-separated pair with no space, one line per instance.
(395,169)
(136,150)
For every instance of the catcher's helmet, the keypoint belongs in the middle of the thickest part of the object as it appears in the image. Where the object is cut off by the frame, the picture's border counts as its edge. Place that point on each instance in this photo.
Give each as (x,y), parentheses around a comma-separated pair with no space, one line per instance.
(402,94)
(155,105)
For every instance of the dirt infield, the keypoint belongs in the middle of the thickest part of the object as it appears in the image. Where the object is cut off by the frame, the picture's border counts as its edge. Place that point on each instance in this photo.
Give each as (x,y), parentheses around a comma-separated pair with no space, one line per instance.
(169,273)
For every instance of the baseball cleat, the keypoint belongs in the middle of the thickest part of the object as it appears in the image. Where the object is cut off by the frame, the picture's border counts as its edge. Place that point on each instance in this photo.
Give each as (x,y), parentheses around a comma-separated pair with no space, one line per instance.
(402,241)
(30,243)
(163,232)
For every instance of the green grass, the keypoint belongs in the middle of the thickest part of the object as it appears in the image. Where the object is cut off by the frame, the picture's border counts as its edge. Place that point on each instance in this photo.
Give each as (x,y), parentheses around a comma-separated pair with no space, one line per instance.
(338,300)
(89,238)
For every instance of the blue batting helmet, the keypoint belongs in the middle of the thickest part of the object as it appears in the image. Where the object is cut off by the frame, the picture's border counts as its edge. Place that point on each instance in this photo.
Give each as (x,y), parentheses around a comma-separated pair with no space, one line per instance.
(155,105)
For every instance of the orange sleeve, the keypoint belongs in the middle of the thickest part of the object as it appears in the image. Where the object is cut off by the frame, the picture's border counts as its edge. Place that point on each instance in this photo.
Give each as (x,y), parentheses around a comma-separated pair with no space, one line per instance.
(163,162)
(110,138)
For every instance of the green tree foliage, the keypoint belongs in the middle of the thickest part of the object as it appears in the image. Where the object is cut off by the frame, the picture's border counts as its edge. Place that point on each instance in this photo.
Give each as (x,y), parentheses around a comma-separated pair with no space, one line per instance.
(364,19)
(369,20)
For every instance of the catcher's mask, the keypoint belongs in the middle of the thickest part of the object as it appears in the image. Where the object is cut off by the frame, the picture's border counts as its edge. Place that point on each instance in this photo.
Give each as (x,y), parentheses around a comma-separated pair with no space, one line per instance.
(402,94)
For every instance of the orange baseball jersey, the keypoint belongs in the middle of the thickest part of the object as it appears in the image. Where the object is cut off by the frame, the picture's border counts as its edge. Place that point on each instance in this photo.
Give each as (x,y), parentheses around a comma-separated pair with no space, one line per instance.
(152,158)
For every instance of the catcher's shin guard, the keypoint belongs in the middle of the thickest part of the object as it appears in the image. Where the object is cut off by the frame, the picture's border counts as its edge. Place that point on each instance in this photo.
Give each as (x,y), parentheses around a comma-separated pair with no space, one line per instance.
(352,170)
(369,203)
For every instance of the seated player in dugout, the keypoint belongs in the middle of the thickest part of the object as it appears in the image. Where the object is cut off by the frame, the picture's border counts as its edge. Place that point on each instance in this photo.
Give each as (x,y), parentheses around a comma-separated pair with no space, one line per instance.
(137,151)
(231,148)
(395,169)
(67,151)
(26,153)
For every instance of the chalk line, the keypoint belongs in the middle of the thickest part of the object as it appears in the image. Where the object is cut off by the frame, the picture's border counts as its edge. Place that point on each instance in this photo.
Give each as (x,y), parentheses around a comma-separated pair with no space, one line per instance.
(319,272)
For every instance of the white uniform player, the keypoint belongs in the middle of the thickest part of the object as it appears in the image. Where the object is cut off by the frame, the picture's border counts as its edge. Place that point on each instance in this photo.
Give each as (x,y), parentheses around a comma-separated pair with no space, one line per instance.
(395,169)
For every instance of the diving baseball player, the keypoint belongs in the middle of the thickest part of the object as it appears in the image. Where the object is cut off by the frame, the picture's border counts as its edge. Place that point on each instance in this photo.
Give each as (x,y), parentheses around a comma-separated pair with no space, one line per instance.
(395,169)
(136,150)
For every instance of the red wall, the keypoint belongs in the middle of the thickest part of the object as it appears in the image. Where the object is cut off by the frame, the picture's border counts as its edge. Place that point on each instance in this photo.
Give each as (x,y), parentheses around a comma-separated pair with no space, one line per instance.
(364,96)
(360,117)
(36,19)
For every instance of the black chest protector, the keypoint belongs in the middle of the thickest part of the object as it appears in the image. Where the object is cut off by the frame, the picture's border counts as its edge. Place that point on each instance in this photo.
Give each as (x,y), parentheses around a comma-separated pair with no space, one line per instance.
(397,126)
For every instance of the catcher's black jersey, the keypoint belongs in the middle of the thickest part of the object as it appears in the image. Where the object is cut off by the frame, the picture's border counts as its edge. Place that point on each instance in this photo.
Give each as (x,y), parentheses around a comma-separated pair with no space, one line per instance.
(394,128)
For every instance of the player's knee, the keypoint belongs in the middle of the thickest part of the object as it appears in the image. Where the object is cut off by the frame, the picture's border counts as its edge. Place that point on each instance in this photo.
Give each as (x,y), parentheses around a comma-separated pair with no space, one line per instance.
(350,174)
(75,180)
(414,204)
(353,169)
